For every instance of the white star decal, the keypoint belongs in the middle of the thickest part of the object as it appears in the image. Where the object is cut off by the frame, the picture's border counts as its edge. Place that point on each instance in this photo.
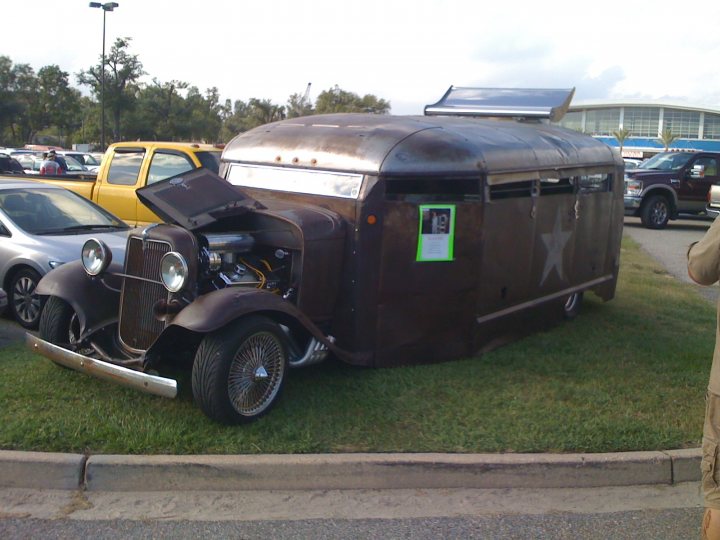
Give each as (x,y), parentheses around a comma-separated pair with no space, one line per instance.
(555,245)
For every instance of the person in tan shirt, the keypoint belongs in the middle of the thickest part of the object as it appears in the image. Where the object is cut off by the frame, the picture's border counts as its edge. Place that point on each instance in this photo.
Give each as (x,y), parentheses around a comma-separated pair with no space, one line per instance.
(704,268)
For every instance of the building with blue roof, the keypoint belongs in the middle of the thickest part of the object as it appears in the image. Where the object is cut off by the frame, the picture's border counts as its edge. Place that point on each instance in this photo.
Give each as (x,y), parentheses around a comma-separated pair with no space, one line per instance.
(695,128)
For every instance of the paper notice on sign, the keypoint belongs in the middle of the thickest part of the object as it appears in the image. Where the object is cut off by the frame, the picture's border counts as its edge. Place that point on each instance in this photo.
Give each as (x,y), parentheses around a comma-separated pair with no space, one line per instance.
(436,233)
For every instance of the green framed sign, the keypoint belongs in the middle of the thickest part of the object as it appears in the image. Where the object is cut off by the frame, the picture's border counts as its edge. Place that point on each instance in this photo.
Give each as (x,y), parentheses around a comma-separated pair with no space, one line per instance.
(436,233)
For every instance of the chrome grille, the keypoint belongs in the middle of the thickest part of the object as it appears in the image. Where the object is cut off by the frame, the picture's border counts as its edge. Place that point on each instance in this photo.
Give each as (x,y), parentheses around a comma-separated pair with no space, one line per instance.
(138,327)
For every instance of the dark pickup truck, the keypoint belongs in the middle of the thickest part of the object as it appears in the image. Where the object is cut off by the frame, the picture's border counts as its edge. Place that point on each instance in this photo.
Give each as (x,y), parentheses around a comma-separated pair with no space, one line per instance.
(668,184)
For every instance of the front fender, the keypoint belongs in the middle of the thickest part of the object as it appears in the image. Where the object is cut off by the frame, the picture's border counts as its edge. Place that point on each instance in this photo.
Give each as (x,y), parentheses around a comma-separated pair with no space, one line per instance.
(94,299)
(218,308)
(661,189)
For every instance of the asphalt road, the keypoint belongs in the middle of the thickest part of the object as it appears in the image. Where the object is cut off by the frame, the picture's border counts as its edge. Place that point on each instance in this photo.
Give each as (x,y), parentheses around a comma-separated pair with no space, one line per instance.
(669,246)
(658,511)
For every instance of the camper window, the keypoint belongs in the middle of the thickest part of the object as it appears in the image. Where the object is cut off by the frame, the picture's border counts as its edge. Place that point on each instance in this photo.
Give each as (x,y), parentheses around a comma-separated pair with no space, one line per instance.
(592,183)
(437,189)
(557,186)
(511,190)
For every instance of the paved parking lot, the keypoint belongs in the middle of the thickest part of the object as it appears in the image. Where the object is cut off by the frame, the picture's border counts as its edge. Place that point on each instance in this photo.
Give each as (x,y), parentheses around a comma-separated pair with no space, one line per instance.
(669,246)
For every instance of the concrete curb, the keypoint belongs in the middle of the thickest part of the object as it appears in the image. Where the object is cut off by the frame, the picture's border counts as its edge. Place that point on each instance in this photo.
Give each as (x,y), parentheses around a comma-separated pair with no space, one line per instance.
(40,470)
(345,471)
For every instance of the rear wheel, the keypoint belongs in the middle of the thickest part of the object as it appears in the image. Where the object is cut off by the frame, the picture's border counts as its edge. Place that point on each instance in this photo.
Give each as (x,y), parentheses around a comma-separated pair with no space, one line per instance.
(239,371)
(25,305)
(572,305)
(655,212)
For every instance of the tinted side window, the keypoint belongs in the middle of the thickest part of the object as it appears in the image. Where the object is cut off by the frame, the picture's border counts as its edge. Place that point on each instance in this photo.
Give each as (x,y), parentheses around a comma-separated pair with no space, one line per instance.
(710,164)
(556,186)
(166,165)
(594,182)
(125,168)
(210,160)
(512,190)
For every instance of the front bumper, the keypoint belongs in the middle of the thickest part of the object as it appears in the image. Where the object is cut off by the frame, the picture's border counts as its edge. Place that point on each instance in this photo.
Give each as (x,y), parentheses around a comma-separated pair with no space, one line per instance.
(150,384)
(632,203)
(712,211)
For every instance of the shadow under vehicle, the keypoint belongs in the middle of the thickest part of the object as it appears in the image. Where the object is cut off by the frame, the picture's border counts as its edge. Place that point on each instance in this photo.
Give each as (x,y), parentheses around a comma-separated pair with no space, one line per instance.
(381,240)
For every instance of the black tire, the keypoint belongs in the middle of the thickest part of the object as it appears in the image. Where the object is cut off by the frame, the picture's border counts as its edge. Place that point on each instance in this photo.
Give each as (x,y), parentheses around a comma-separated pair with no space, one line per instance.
(56,323)
(239,370)
(655,212)
(572,305)
(59,324)
(25,306)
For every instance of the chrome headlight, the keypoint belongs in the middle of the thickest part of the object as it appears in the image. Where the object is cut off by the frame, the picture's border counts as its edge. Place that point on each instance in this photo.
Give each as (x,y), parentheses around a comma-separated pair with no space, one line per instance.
(95,256)
(173,271)
(633,187)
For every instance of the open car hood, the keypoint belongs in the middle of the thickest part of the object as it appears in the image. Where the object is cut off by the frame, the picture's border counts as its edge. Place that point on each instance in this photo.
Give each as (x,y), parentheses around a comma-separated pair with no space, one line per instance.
(195,199)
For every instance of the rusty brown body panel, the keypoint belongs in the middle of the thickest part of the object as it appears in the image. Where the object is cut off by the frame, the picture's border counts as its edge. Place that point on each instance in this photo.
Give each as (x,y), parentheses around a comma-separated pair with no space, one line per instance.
(95,300)
(512,253)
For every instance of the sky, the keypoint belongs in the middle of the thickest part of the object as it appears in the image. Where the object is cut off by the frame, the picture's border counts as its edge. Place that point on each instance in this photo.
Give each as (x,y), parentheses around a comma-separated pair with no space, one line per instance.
(407,52)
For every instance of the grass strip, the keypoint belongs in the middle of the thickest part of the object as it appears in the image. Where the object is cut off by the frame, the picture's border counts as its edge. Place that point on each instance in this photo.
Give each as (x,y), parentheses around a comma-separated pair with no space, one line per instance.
(625,375)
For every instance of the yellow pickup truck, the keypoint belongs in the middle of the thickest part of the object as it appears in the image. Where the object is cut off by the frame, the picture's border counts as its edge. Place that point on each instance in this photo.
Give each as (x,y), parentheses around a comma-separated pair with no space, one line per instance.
(128,166)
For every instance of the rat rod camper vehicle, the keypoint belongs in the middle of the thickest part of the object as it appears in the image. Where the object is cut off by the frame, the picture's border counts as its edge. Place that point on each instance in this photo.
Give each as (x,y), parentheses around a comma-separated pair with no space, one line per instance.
(382,240)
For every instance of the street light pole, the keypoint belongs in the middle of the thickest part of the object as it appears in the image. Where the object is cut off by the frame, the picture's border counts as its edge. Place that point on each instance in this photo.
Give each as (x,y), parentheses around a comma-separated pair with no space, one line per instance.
(108,6)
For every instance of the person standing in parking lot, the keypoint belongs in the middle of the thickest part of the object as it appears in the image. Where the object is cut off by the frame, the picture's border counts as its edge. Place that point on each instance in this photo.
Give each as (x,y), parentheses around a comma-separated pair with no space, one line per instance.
(50,166)
(704,268)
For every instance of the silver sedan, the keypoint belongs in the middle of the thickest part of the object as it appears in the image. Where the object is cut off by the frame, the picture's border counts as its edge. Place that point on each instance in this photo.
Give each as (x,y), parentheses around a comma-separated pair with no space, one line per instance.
(43,226)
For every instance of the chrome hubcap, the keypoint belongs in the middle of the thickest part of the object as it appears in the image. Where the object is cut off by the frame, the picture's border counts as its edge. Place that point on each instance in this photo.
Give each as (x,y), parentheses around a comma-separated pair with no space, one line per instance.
(659,212)
(25,302)
(261,374)
(256,373)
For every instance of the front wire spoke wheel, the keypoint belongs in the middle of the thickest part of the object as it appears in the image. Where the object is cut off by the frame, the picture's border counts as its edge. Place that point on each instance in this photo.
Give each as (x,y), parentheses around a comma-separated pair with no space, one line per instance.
(239,370)
(254,373)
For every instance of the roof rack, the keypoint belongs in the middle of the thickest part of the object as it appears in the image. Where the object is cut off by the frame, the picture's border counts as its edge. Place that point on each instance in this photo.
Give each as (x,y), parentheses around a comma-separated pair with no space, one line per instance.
(536,103)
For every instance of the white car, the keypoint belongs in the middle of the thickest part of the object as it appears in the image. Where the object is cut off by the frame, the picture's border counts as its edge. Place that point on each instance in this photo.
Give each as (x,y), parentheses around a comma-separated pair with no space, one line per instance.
(86,159)
(43,226)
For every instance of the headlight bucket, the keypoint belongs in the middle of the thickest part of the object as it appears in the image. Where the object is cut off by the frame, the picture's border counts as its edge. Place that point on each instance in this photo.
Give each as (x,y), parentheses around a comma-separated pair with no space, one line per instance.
(173,271)
(95,256)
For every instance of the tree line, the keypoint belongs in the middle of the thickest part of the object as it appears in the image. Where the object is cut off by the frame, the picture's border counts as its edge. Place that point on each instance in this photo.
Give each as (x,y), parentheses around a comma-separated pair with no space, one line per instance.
(45,108)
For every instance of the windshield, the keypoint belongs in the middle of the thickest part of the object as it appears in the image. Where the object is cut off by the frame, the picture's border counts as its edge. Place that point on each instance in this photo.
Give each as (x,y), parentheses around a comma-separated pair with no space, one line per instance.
(54,211)
(331,184)
(666,161)
(73,164)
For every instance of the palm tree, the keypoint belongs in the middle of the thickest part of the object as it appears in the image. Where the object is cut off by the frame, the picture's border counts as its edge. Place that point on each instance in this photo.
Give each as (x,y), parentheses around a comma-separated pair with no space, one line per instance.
(621,134)
(667,138)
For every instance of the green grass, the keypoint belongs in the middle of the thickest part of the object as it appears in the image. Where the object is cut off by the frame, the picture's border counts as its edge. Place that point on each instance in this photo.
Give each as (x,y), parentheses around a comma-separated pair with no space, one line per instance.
(625,375)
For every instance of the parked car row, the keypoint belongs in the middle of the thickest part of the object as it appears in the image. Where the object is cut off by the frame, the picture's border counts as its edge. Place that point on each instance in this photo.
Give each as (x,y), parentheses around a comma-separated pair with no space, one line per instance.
(149,162)
(73,163)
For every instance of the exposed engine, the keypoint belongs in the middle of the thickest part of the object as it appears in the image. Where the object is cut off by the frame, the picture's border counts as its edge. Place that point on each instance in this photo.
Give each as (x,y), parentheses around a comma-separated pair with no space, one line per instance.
(233,260)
